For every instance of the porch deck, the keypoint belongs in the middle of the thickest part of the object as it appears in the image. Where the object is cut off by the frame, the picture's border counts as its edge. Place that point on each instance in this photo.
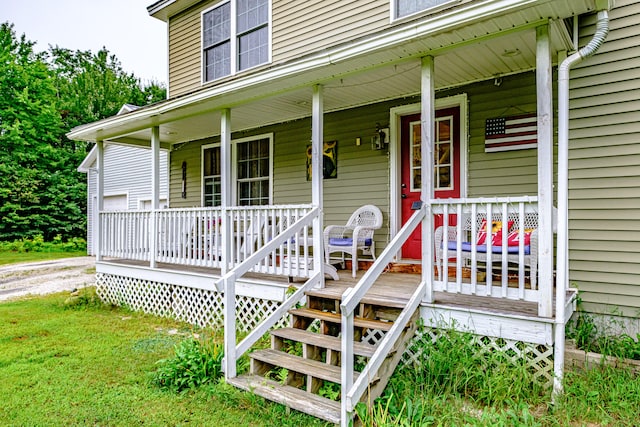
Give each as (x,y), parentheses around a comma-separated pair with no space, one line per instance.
(391,286)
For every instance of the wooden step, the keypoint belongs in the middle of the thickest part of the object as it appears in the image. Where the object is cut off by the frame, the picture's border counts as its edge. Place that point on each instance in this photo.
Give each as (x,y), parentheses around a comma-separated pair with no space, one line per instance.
(291,397)
(335,293)
(336,318)
(324,341)
(299,364)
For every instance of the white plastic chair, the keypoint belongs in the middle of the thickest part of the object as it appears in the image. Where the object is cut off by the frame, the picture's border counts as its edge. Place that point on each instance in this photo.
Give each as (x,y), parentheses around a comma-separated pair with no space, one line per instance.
(356,235)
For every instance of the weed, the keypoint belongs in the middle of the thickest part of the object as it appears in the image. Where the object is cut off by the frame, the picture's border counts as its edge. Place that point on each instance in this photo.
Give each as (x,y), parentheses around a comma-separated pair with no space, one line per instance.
(37,244)
(194,364)
(83,298)
(589,337)
(330,390)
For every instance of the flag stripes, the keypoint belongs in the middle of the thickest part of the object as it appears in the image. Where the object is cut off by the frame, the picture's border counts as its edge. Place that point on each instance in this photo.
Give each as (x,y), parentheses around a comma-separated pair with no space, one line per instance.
(511,133)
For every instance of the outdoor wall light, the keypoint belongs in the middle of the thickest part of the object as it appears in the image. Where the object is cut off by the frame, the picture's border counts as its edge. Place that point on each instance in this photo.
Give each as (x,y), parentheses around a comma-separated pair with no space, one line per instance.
(380,138)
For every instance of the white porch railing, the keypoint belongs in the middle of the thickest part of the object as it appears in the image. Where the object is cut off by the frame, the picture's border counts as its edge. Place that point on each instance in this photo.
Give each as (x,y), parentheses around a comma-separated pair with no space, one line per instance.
(125,234)
(232,351)
(353,391)
(193,236)
(462,258)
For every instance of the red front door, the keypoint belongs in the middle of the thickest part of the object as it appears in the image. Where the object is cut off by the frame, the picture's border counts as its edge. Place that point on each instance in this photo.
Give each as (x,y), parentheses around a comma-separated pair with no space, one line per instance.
(446,171)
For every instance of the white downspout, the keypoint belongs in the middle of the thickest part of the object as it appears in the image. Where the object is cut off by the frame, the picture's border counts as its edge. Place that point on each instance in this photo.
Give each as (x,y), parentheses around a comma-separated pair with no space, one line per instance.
(602,29)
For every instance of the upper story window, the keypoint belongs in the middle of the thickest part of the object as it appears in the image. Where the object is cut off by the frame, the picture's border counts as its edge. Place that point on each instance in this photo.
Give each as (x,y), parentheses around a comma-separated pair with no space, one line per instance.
(235,37)
(409,7)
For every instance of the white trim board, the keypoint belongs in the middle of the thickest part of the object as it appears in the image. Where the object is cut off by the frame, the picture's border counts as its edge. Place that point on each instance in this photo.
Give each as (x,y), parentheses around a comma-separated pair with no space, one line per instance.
(244,287)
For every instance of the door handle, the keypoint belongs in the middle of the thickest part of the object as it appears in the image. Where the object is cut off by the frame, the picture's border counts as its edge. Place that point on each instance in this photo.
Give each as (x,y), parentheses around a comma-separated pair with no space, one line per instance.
(404,196)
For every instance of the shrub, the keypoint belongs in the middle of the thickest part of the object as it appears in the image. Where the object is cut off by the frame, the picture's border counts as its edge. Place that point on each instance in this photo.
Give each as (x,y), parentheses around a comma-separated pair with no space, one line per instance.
(194,364)
(37,244)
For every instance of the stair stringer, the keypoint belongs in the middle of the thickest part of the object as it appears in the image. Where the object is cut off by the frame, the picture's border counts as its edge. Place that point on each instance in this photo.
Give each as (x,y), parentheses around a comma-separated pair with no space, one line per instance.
(381,379)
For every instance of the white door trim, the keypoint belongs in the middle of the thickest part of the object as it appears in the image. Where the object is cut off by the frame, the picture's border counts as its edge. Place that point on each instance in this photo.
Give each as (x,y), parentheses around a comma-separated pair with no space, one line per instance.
(395,115)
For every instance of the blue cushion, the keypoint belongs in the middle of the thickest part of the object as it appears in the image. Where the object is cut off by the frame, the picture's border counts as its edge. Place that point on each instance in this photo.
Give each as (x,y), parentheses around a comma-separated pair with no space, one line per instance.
(346,241)
(466,247)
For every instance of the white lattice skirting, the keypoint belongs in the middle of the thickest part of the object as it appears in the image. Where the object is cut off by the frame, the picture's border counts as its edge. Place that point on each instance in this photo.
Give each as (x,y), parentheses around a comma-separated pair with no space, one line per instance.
(538,359)
(195,306)
(205,308)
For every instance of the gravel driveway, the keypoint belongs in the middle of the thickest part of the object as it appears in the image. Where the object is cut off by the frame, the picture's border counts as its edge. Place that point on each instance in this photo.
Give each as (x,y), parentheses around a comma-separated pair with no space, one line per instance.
(46,277)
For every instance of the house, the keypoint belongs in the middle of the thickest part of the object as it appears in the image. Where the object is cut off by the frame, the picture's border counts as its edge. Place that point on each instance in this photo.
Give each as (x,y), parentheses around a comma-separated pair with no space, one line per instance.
(525,134)
(126,182)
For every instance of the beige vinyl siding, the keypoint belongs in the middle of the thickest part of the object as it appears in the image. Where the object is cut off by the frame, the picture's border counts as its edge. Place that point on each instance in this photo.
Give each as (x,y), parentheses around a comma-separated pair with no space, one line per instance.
(185,68)
(190,152)
(298,28)
(509,173)
(363,173)
(604,167)
(301,27)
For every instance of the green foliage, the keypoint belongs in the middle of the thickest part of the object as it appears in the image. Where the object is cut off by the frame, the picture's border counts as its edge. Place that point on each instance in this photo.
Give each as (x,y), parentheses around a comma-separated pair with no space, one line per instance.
(602,338)
(194,364)
(94,86)
(455,364)
(37,244)
(83,299)
(42,96)
(380,414)
(330,390)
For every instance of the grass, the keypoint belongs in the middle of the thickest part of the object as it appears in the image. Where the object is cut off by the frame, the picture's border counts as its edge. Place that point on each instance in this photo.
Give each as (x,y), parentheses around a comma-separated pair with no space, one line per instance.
(36,249)
(97,365)
(456,387)
(11,257)
(93,365)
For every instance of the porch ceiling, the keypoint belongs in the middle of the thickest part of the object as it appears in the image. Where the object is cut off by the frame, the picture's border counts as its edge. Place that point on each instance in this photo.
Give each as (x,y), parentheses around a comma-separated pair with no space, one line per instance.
(464,53)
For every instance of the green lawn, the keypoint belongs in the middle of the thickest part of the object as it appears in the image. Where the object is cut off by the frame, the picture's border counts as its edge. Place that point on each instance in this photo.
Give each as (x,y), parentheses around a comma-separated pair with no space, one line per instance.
(92,365)
(10,257)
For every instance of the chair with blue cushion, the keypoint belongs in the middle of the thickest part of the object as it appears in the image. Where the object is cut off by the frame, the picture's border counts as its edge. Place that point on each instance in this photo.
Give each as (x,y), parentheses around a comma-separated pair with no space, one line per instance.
(355,236)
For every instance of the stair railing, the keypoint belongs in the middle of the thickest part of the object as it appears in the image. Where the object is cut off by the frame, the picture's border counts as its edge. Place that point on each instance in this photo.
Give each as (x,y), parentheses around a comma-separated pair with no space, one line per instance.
(353,391)
(232,351)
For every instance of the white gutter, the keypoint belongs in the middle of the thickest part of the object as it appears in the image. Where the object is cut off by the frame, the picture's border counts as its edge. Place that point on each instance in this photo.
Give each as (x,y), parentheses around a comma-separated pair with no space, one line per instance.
(562,274)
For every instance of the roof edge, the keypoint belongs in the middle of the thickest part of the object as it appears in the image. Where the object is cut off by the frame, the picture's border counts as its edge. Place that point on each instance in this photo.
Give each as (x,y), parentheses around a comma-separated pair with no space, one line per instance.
(164,9)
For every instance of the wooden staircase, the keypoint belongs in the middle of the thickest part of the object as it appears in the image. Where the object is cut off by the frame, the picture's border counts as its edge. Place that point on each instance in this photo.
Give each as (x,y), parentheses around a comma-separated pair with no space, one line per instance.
(316,327)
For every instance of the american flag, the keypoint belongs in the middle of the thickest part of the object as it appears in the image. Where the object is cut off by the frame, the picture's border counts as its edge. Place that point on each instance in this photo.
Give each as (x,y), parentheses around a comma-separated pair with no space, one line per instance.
(511,133)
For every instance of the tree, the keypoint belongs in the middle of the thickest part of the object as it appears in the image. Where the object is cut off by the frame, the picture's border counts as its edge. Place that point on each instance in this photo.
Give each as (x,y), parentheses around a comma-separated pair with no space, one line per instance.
(30,127)
(94,86)
(42,97)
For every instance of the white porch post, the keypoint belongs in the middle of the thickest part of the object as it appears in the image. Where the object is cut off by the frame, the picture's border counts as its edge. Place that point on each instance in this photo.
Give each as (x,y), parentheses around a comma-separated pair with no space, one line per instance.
(155,193)
(544,88)
(229,363)
(317,136)
(97,221)
(225,183)
(427,118)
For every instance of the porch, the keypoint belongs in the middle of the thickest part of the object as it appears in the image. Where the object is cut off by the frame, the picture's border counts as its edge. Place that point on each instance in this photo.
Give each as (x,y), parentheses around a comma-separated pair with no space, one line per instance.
(252,282)
(262,303)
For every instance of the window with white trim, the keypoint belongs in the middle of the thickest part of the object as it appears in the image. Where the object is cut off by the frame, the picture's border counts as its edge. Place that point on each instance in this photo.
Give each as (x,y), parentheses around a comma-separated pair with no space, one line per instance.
(253,186)
(212,182)
(409,7)
(252,159)
(235,37)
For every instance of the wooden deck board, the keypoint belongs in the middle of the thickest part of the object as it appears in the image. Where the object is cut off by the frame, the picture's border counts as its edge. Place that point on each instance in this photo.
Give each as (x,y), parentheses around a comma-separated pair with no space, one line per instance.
(396,287)
(291,397)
